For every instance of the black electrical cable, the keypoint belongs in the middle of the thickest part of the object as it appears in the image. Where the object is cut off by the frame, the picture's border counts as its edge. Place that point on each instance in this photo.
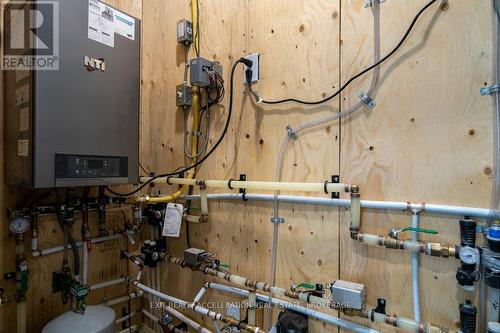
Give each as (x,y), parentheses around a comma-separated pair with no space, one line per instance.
(326,99)
(143,169)
(215,146)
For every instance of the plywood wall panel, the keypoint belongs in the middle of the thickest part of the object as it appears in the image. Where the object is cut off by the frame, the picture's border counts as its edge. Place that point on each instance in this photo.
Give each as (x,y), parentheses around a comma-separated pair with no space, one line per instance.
(240,233)
(428,140)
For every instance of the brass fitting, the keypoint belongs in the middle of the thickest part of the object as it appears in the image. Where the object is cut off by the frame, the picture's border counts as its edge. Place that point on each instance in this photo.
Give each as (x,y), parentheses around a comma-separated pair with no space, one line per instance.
(392,243)
(353,312)
(440,250)
(203,218)
(354,190)
(291,294)
(391,320)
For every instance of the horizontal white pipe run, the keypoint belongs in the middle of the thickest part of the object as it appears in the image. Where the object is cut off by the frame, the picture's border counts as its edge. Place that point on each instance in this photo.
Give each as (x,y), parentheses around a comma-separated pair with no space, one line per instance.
(120,299)
(127,317)
(57,249)
(369,204)
(295,307)
(133,328)
(256,185)
(107,284)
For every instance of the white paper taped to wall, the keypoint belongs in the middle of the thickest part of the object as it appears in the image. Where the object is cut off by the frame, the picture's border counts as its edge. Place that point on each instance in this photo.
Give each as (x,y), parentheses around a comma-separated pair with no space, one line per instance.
(173,219)
(23,147)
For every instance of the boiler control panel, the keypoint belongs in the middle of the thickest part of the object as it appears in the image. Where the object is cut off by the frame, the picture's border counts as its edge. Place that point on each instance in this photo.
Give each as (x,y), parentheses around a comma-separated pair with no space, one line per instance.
(82,166)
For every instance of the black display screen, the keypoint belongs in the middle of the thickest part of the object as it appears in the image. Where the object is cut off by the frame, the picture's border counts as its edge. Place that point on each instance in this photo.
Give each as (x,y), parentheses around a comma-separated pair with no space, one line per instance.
(95,164)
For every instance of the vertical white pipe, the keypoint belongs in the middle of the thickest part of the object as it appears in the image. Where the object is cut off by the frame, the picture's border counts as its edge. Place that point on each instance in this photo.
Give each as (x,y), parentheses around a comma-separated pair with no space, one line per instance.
(216,326)
(415,222)
(203,201)
(252,304)
(21,317)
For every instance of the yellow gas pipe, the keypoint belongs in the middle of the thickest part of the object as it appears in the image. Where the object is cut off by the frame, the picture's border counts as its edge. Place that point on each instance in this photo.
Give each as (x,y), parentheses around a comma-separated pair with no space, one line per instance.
(195,107)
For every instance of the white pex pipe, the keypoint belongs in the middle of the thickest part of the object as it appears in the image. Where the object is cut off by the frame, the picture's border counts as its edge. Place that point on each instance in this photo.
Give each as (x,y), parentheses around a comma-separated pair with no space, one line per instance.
(133,328)
(60,248)
(120,299)
(107,284)
(187,320)
(127,317)
(415,256)
(368,204)
(353,327)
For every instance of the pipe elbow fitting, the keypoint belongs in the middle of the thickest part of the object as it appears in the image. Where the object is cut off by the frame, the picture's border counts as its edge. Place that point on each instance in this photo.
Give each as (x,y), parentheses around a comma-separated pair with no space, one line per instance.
(354,190)
(354,232)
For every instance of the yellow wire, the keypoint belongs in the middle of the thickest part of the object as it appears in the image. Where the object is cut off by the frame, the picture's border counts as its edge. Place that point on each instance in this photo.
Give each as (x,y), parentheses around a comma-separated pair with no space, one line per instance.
(195,107)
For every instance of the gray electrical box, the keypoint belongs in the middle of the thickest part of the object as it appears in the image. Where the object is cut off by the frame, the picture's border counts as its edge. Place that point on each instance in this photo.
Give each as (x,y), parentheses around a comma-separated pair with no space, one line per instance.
(77,125)
(347,294)
(203,72)
(193,257)
(185,32)
(183,95)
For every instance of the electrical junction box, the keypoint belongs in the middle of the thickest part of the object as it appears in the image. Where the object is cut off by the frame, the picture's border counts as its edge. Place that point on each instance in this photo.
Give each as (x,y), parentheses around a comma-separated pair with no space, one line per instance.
(347,294)
(203,71)
(183,95)
(185,32)
(194,257)
(76,124)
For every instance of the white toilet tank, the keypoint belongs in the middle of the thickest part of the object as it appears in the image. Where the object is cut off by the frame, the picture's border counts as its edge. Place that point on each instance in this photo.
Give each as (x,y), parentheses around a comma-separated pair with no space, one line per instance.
(97,319)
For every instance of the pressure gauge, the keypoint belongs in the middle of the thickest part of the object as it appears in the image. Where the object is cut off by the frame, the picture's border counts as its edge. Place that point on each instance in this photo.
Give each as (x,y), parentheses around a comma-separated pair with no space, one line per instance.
(19,225)
(469,255)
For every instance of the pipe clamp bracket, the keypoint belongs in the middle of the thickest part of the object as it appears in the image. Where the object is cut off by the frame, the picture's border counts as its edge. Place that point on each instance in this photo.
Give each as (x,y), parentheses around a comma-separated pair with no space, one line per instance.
(277,220)
(365,98)
(291,132)
(494,88)
(369,3)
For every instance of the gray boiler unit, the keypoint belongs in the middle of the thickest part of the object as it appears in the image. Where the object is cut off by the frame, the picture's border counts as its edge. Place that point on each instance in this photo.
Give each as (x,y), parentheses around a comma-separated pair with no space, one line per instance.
(77,125)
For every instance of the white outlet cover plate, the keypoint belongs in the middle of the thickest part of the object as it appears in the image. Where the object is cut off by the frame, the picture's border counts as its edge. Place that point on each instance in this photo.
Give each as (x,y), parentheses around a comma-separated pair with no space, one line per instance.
(255,68)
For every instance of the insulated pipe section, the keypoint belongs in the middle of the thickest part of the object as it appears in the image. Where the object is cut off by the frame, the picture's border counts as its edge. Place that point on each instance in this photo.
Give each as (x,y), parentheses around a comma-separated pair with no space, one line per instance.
(428,248)
(353,327)
(355,212)
(255,185)
(197,308)
(263,286)
(203,201)
(405,323)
